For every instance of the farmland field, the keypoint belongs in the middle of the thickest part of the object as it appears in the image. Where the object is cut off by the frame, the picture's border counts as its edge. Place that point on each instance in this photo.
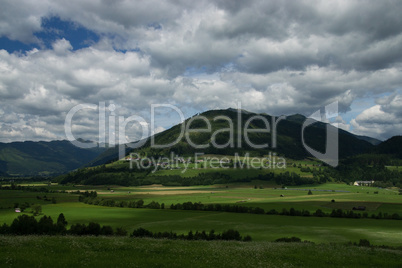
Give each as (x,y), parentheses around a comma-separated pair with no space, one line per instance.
(255,194)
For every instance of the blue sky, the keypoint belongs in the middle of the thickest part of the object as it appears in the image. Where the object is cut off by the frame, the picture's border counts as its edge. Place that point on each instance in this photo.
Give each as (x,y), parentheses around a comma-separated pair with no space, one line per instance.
(52,29)
(273,57)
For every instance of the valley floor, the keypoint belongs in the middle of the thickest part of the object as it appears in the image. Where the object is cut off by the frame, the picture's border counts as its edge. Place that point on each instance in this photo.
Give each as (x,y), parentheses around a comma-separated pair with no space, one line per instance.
(262,228)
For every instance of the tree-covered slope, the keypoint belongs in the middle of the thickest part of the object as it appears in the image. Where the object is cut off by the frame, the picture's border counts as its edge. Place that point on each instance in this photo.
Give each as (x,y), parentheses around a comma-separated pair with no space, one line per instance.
(43,158)
(392,146)
(288,137)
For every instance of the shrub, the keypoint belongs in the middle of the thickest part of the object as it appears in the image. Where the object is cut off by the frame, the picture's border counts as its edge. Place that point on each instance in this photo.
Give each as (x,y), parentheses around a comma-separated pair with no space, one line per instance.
(141,232)
(364,243)
(319,213)
(24,225)
(231,235)
(247,238)
(272,212)
(120,231)
(93,229)
(106,230)
(288,239)
(154,205)
(36,209)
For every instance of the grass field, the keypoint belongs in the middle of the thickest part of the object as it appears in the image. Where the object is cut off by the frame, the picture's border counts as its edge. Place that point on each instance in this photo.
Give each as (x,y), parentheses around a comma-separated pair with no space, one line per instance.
(31,251)
(212,165)
(260,227)
(345,196)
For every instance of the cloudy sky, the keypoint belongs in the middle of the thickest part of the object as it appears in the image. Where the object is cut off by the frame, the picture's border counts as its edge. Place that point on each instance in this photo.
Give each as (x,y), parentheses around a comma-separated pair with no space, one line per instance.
(277,57)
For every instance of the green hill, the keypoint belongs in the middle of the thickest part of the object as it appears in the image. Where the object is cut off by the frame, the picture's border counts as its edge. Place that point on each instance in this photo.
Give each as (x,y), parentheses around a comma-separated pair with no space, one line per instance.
(51,158)
(288,137)
(43,158)
(371,140)
(392,146)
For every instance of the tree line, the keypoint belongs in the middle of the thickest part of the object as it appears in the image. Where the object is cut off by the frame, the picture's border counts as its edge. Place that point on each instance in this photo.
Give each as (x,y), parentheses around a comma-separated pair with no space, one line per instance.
(369,167)
(41,189)
(107,202)
(28,225)
(225,235)
(336,213)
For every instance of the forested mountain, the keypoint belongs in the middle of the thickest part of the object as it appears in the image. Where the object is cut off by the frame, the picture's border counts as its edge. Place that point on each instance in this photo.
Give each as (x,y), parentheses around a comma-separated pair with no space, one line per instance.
(392,146)
(288,137)
(31,158)
(226,130)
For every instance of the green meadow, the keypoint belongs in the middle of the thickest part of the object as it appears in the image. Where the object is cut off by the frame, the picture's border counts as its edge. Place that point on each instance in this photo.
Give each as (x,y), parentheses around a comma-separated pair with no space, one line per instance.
(262,228)
(34,251)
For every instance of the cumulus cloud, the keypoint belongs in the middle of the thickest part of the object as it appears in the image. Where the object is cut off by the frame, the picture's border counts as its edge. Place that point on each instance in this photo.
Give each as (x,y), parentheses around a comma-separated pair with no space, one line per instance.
(273,57)
(62,46)
(340,123)
(382,120)
(20,23)
(41,85)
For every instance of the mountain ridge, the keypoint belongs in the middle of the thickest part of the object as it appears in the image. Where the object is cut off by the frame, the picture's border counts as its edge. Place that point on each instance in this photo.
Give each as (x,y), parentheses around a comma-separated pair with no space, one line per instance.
(288,136)
(61,156)
(31,158)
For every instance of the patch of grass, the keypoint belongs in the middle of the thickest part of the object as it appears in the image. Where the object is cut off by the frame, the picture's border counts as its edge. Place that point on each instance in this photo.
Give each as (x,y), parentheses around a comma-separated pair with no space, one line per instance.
(31,251)
(9,197)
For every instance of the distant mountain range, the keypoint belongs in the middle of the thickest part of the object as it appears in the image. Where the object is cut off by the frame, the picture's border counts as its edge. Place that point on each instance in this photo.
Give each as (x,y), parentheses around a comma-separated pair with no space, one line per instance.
(56,157)
(31,158)
(371,140)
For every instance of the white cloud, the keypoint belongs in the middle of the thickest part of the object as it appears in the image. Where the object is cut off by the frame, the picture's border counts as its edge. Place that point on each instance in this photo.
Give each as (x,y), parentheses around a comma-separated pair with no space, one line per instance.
(20,19)
(274,57)
(340,123)
(382,120)
(62,46)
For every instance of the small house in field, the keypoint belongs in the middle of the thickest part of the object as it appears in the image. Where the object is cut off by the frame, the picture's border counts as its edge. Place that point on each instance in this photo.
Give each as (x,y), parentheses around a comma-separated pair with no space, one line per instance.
(18,210)
(363,183)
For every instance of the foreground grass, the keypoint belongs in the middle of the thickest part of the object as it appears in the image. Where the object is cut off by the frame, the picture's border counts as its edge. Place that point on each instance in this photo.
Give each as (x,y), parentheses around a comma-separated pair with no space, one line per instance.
(35,251)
